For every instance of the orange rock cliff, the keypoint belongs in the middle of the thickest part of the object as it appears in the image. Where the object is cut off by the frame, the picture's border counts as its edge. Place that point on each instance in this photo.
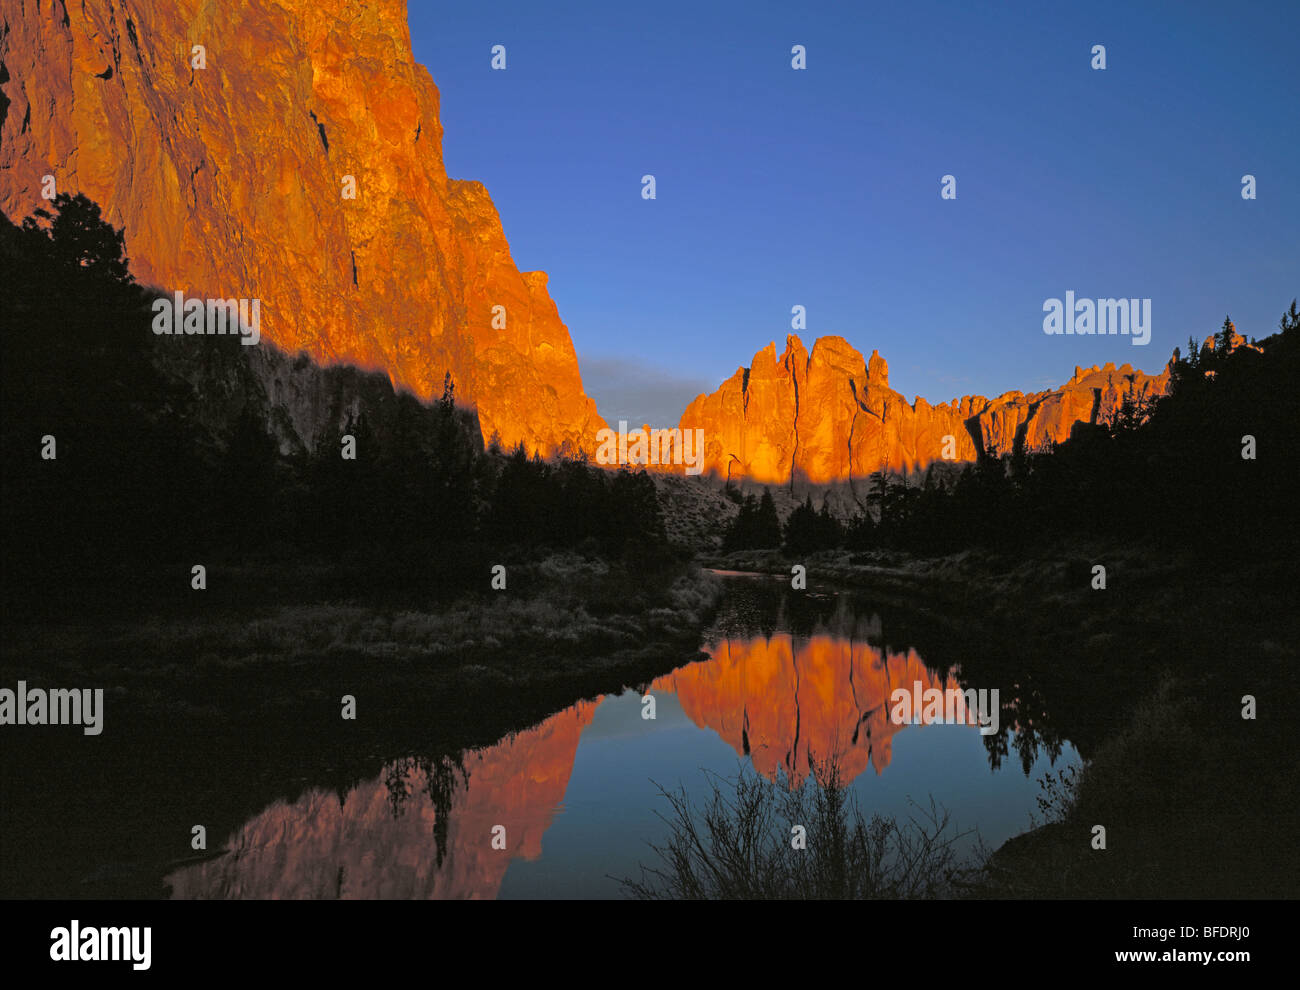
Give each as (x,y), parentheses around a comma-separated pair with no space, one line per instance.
(830,416)
(231,181)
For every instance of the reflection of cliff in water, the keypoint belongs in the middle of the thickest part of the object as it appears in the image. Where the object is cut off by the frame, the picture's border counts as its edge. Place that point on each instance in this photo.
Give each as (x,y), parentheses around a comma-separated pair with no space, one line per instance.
(1043,703)
(785,700)
(423,829)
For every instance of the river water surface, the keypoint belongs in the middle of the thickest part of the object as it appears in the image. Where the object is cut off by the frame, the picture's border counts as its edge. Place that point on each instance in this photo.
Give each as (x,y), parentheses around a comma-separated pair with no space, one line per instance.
(575,800)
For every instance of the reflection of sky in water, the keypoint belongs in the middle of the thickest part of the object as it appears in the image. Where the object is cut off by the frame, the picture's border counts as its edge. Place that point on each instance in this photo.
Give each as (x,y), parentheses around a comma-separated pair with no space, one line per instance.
(608,813)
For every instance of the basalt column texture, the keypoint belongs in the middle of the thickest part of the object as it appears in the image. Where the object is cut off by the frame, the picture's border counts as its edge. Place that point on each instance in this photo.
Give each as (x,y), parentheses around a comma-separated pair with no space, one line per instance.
(232,181)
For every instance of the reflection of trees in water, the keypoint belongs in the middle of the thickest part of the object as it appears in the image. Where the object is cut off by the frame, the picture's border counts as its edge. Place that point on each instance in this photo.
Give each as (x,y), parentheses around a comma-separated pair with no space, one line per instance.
(1049,699)
(442,774)
(764,607)
(1031,738)
(1027,720)
(760,607)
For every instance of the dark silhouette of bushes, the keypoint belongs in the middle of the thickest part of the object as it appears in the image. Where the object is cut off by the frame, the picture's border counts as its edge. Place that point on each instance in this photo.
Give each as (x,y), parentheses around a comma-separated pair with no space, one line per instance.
(740,845)
(756,527)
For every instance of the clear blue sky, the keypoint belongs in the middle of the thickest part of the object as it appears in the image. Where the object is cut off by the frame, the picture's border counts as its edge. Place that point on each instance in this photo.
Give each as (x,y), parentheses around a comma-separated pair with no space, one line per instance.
(821,187)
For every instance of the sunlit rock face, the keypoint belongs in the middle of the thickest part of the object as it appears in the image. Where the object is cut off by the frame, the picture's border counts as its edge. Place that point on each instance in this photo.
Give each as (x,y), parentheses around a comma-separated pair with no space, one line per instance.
(830,417)
(790,702)
(434,842)
(230,182)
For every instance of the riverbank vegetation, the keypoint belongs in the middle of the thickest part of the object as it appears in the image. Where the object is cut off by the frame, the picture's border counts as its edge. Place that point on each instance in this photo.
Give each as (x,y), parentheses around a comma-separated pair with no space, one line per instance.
(755,838)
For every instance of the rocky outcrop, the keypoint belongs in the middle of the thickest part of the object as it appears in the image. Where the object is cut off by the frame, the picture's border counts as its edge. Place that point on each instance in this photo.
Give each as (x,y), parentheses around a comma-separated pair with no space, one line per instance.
(232,180)
(830,417)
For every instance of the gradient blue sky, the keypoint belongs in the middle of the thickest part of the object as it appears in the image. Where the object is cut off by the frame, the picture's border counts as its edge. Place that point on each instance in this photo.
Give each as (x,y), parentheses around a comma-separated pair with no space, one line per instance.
(821,187)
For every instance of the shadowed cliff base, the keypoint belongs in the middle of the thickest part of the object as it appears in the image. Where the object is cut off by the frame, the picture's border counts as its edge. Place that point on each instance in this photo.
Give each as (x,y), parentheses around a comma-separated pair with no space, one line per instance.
(136,456)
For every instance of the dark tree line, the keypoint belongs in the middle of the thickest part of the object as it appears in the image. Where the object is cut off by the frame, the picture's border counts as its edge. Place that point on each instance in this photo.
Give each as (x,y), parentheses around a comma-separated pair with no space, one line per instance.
(150,472)
(757,525)
(1168,470)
